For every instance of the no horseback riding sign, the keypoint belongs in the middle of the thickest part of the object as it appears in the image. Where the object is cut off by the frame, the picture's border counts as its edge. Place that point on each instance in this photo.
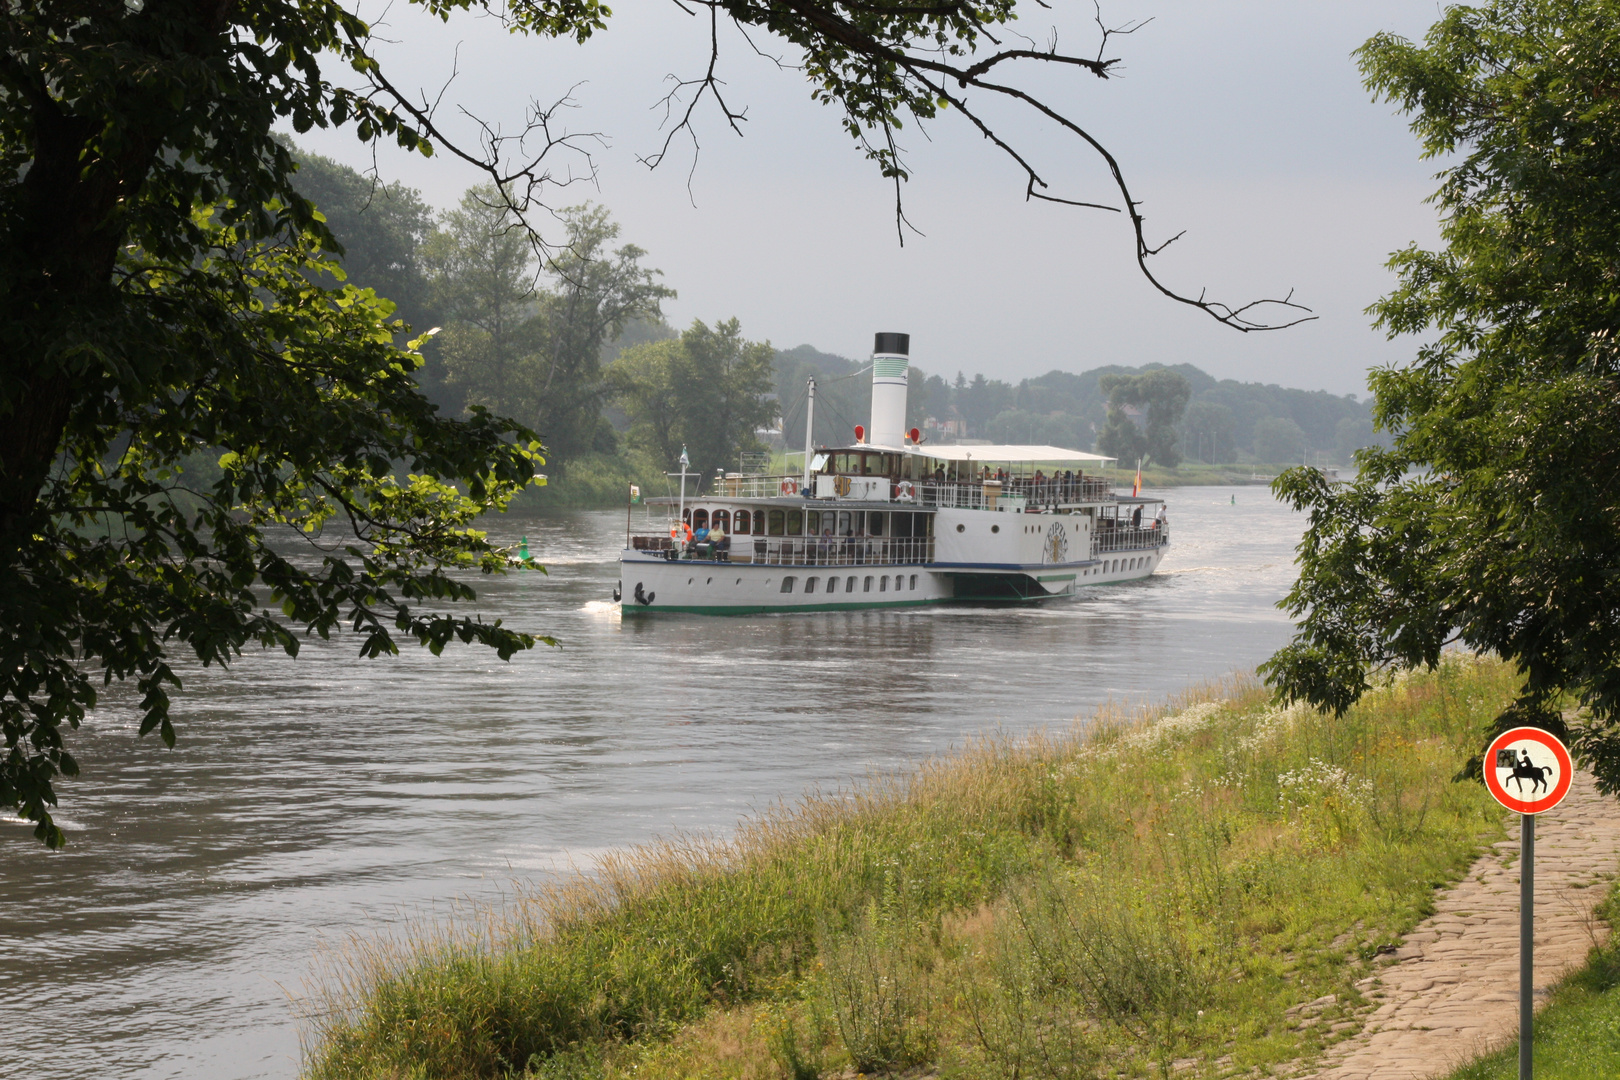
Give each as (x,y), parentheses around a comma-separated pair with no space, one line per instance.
(1528,770)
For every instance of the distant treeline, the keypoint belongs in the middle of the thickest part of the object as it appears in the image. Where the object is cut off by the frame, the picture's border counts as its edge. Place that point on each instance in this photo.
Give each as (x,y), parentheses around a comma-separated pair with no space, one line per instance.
(572,342)
(1225,421)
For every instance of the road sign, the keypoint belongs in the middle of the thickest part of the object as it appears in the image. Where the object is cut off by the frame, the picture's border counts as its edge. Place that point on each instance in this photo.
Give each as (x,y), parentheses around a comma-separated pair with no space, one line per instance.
(1528,770)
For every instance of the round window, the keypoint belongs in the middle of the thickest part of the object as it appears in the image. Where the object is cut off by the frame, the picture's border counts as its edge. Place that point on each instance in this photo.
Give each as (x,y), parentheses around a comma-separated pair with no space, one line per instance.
(961,528)
(995,528)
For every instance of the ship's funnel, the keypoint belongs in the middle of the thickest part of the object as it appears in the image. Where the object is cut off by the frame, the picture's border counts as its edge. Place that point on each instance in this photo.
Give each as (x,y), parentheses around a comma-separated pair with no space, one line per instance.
(890,356)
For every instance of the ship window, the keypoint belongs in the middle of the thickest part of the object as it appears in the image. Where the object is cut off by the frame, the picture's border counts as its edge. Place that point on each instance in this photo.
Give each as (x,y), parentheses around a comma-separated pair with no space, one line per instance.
(722,520)
(913,581)
(868,586)
(795,522)
(995,528)
(776,525)
(787,583)
(843,524)
(961,528)
(686,515)
(744,526)
(812,520)
(700,519)
(849,583)
(883,583)
(874,523)
(810,584)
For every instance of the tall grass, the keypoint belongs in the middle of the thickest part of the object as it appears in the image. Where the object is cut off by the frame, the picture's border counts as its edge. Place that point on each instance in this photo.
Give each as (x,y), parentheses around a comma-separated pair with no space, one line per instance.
(1141,890)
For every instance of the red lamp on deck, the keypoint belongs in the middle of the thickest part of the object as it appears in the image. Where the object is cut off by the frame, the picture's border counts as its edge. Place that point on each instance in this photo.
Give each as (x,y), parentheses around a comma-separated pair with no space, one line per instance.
(916,437)
(860,433)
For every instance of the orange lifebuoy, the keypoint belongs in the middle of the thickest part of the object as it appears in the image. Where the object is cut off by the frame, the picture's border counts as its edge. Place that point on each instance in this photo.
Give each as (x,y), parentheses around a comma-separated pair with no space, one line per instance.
(790,486)
(675,531)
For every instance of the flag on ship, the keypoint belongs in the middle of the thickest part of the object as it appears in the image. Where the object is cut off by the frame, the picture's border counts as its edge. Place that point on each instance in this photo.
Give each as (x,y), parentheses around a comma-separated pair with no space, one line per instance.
(635,493)
(1136,488)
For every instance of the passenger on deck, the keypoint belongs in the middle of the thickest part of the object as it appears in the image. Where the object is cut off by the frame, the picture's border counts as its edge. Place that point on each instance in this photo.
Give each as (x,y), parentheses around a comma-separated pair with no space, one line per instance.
(721,543)
(1161,519)
(1136,518)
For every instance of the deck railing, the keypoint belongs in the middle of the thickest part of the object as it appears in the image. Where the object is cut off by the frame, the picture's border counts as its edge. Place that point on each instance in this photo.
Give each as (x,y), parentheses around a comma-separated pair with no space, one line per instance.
(802,550)
(1032,494)
(963,495)
(1126,538)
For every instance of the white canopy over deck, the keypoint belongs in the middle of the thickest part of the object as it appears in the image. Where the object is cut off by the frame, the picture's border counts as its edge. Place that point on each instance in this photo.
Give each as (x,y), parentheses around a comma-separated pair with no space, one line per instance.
(986,454)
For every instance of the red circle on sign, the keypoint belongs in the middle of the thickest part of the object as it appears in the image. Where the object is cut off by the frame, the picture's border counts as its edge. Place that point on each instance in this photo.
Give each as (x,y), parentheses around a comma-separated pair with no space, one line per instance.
(1537,785)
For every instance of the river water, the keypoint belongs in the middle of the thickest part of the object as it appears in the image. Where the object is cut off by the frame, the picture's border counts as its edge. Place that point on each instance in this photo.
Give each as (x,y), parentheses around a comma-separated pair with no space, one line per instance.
(314,798)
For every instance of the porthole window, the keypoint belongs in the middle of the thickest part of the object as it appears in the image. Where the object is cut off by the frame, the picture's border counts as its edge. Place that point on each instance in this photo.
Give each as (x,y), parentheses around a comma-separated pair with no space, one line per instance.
(961,528)
(995,528)
(787,583)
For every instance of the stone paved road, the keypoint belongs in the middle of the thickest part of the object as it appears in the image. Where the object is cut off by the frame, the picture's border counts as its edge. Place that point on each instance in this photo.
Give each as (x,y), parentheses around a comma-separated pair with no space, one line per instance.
(1452,991)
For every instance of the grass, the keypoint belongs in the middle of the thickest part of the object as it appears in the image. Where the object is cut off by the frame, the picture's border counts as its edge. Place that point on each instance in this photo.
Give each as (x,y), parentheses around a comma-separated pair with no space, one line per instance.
(1136,896)
(1577,1035)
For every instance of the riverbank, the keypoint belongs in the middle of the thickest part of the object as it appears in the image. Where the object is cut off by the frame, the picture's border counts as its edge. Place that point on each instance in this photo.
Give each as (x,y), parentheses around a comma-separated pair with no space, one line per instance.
(1158,892)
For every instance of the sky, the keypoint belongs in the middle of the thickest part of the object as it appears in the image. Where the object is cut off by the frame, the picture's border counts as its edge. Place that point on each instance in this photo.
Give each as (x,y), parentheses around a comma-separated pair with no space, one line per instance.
(1243,123)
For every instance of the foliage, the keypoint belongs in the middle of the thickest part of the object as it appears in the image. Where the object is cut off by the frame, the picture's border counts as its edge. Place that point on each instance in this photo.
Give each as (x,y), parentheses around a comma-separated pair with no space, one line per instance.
(1162,396)
(1081,895)
(1494,518)
(706,391)
(298,390)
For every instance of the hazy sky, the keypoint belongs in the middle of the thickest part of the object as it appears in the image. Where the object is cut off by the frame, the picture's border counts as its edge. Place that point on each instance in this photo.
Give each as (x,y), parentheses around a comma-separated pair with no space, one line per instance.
(1244,123)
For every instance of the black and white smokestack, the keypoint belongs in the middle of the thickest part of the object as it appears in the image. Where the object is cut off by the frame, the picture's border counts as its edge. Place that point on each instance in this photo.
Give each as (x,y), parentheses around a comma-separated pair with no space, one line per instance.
(893,344)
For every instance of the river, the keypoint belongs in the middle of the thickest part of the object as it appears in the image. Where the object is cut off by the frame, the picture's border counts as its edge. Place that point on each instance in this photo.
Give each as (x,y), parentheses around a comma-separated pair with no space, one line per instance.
(308,800)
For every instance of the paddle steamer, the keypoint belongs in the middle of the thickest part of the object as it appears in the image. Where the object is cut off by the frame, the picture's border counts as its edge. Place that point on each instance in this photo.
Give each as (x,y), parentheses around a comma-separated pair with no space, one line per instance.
(892,521)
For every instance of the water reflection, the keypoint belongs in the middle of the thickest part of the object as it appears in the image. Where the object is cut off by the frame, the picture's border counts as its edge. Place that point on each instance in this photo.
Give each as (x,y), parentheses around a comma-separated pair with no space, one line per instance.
(313,798)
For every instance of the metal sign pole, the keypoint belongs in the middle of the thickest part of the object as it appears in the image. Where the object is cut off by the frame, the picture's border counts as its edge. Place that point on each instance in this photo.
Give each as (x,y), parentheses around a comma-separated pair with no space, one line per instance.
(1527,942)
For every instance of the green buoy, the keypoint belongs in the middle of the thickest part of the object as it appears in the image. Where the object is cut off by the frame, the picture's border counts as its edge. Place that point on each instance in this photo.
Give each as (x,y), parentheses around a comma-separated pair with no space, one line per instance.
(523,548)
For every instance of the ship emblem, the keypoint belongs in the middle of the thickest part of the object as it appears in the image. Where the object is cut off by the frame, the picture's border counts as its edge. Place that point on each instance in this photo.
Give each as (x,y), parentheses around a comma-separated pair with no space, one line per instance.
(1057,544)
(841,485)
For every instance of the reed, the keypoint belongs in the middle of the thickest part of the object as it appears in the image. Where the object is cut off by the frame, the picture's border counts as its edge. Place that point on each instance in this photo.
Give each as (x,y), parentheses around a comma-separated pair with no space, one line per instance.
(1146,890)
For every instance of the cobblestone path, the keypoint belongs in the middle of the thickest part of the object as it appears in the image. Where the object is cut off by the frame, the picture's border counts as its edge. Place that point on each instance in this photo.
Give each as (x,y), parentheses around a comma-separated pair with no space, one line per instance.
(1452,991)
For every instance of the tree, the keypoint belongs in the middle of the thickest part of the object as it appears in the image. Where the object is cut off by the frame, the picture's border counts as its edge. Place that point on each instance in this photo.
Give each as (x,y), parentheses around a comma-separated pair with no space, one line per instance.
(1494,519)
(1210,426)
(531,353)
(151,229)
(480,268)
(1278,439)
(1351,434)
(1163,395)
(707,391)
(598,291)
